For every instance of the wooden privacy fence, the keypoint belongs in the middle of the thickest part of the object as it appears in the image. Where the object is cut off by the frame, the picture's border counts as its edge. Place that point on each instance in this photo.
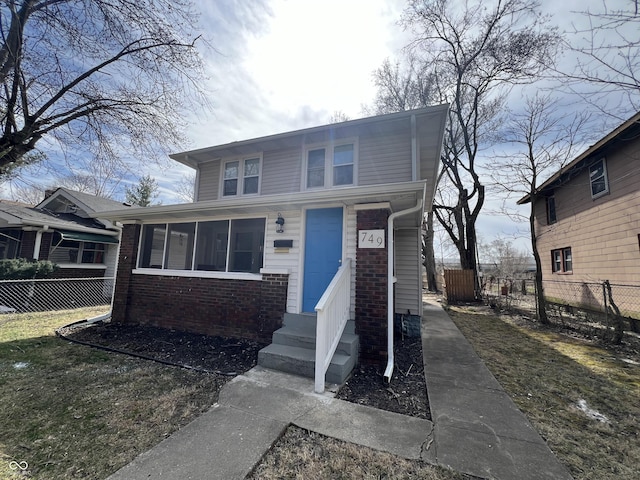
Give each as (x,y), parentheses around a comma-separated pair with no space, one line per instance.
(458,286)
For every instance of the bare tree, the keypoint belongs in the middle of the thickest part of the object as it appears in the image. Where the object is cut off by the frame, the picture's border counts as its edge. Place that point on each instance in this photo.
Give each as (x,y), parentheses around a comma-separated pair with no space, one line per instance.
(185,188)
(95,76)
(540,140)
(476,52)
(607,55)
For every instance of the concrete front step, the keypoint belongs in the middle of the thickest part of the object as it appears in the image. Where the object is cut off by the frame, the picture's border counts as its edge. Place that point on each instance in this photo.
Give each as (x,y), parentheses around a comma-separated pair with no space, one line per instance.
(301,361)
(304,337)
(293,349)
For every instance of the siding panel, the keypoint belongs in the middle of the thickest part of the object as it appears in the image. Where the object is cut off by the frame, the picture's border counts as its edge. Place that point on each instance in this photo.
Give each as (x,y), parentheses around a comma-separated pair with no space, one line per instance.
(384,158)
(209,181)
(408,295)
(281,171)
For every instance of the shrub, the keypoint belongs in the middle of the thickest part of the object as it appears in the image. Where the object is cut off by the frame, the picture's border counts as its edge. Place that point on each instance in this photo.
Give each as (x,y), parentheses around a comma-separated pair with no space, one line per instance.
(20,268)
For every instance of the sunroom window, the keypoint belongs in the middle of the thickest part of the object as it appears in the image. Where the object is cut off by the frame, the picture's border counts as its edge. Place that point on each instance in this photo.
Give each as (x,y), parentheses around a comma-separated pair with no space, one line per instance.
(222,246)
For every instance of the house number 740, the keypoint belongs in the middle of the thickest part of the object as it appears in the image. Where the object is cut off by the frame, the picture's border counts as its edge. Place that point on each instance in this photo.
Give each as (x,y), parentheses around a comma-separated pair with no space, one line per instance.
(371,239)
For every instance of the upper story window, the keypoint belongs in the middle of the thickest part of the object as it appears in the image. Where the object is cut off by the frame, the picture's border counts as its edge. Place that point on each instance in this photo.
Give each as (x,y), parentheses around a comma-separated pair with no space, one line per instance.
(241,177)
(561,260)
(598,179)
(551,210)
(330,165)
(222,245)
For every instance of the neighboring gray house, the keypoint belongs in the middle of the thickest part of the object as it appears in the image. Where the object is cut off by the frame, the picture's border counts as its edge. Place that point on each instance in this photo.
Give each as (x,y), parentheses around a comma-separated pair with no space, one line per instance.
(288,225)
(61,229)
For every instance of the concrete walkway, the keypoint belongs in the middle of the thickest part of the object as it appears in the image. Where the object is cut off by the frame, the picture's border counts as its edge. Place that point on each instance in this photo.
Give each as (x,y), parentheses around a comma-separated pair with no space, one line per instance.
(478,430)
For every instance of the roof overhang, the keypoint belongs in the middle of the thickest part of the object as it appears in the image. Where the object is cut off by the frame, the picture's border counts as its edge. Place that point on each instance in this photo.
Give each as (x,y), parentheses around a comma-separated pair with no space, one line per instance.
(296,138)
(596,149)
(399,196)
(86,237)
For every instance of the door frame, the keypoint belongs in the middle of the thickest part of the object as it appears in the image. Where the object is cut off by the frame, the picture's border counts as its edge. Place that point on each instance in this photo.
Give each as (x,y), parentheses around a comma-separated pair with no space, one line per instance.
(303,242)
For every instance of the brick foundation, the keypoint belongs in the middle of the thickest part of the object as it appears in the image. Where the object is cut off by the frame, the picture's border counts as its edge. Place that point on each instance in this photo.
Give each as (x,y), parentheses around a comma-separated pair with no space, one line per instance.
(211,306)
(371,291)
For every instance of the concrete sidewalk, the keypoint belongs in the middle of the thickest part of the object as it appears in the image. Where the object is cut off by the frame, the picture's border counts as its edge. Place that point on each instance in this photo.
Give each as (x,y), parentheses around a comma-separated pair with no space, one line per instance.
(253,411)
(478,430)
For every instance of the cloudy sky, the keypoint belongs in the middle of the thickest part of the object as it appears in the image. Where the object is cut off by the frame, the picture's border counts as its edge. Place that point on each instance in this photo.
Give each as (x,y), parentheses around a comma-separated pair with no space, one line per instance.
(280,65)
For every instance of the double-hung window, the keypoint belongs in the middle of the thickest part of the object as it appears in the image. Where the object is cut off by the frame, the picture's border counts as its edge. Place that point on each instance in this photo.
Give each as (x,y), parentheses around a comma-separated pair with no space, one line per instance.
(241,177)
(219,245)
(598,179)
(330,165)
(561,260)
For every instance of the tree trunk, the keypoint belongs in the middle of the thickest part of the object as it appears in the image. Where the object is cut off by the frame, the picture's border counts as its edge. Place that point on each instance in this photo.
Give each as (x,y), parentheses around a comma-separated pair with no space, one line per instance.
(541,304)
(429,254)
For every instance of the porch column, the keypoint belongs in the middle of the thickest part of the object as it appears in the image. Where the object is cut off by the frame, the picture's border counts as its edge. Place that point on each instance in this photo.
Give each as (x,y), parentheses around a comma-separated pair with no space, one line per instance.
(371,289)
(126,263)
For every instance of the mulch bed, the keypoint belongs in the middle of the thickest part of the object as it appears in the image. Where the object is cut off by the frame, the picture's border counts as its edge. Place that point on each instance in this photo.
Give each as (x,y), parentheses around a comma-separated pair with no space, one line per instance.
(405,394)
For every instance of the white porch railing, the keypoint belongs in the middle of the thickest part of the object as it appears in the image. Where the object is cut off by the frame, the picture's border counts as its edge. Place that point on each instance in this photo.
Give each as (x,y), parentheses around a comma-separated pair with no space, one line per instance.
(333,313)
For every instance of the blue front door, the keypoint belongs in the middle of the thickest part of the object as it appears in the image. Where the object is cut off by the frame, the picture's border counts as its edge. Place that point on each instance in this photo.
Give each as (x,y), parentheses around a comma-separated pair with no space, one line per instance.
(322,253)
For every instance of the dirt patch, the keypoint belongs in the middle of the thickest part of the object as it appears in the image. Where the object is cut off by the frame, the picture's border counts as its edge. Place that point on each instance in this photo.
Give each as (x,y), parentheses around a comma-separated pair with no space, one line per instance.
(405,394)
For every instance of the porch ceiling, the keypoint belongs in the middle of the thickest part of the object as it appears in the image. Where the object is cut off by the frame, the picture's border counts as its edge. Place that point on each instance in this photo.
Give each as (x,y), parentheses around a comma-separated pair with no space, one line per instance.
(400,196)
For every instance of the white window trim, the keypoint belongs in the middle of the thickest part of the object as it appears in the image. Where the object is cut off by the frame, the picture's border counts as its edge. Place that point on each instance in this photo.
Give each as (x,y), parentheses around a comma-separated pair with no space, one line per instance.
(193,272)
(606,179)
(328,163)
(240,191)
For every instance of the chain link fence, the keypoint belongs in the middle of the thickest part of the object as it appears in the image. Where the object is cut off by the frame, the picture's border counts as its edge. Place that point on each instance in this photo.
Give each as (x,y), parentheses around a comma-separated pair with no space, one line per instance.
(599,309)
(41,295)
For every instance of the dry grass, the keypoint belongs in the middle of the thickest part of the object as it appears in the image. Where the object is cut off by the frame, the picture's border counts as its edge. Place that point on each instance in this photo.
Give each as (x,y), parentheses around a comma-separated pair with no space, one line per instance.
(547,374)
(304,455)
(69,411)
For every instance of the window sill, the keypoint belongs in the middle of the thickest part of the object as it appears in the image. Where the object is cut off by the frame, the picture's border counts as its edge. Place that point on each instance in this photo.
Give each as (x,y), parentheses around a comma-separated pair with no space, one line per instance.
(87,266)
(197,274)
(562,273)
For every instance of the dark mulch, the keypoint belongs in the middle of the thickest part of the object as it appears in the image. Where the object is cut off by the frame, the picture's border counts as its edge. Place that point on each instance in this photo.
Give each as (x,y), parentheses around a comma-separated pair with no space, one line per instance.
(407,391)
(405,394)
(216,354)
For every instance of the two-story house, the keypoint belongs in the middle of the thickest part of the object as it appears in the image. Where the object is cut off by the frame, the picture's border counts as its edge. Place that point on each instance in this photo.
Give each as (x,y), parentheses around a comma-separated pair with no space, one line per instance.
(588,224)
(276,221)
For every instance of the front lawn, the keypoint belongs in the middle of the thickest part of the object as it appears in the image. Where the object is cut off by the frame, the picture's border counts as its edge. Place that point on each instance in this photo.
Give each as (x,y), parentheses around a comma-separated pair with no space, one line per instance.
(70,411)
(584,399)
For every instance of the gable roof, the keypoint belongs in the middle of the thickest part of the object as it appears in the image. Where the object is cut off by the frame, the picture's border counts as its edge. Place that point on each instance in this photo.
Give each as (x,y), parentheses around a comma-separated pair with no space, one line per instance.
(16,215)
(629,130)
(87,202)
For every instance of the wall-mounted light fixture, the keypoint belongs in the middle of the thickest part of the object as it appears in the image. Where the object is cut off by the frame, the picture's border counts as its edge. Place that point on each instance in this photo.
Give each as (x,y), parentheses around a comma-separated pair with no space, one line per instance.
(280,224)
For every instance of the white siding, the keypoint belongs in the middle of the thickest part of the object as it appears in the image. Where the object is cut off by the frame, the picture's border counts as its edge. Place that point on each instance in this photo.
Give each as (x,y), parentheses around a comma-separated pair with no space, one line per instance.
(384,159)
(281,171)
(209,179)
(407,259)
(352,239)
(289,260)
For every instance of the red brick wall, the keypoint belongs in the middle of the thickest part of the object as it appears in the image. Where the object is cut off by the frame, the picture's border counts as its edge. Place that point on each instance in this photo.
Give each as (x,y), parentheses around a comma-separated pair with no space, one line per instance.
(371,291)
(236,308)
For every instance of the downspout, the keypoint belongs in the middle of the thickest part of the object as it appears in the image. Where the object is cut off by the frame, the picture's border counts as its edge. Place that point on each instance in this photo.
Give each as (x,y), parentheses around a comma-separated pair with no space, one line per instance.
(391,280)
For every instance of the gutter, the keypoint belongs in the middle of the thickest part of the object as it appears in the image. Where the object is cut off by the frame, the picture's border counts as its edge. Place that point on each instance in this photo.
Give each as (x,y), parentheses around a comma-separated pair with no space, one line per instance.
(388,373)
